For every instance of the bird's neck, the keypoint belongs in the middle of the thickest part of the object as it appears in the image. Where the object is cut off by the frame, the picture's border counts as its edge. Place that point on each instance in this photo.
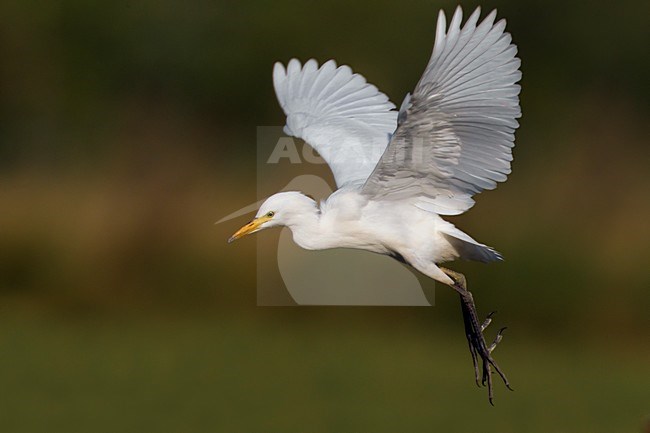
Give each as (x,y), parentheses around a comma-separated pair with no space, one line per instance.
(306,229)
(319,229)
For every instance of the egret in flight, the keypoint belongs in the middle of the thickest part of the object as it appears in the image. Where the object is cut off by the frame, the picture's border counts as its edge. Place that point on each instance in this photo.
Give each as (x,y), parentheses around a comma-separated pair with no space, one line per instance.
(398,171)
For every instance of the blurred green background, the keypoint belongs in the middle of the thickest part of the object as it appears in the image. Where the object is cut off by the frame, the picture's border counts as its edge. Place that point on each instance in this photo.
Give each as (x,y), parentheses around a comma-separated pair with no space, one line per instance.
(128,128)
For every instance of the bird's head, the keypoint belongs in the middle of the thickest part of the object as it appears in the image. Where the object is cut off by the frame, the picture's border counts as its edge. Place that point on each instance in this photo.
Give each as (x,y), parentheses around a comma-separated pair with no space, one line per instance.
(280,209)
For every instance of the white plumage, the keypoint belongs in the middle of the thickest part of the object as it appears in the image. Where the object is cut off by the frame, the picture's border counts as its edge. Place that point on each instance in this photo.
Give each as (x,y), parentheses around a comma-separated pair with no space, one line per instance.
(397,171)
(347,120)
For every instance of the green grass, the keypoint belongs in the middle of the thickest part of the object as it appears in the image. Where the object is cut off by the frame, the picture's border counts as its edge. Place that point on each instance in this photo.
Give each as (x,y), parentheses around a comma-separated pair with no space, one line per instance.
(290,372)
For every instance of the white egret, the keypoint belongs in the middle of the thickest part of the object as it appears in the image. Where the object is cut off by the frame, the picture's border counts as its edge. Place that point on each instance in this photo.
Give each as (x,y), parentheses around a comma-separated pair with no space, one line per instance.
(397,171)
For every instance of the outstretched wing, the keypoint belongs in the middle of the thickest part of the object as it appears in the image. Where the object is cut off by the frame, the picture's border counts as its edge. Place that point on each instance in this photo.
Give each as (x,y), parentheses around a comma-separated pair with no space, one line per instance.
(456,132)
(346,120)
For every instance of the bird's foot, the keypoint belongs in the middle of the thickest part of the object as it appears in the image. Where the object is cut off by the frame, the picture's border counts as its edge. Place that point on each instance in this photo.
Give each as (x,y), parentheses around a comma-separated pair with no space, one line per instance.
(478,347)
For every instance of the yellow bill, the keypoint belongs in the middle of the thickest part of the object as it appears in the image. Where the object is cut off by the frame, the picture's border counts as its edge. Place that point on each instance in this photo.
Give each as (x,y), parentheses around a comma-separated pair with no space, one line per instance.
(249,228)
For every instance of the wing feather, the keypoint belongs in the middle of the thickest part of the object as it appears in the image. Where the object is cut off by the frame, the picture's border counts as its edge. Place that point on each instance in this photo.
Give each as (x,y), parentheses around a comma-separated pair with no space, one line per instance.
(347,120)
(456,131)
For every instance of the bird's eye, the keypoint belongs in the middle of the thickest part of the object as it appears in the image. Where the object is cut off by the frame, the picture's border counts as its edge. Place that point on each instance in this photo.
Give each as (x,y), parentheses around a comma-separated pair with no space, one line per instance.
(270,214)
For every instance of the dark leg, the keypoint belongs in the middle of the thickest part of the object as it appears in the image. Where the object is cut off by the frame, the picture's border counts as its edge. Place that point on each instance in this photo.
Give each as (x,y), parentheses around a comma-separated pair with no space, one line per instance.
(474,333)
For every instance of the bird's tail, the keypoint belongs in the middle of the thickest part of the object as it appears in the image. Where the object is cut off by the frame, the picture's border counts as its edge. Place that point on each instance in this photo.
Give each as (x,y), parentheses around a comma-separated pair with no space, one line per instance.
(468,248)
